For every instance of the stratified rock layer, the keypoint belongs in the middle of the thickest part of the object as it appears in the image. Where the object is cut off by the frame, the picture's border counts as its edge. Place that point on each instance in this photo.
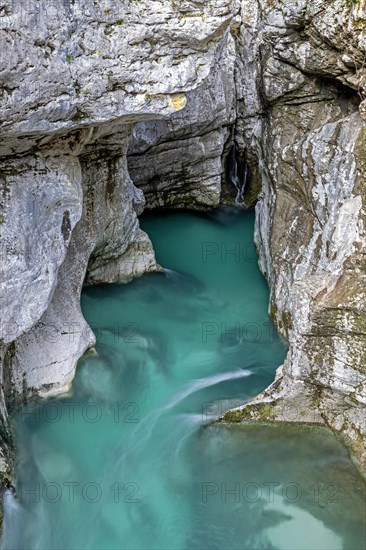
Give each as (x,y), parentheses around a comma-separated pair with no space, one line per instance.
(178,163)
(299,119)
(74,79)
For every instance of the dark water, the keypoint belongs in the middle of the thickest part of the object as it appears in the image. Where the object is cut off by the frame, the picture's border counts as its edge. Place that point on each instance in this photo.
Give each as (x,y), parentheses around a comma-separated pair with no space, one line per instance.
(129,460)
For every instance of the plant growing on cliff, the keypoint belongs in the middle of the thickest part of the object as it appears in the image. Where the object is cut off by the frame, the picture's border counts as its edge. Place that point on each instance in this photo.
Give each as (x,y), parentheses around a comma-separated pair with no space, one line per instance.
(235,30)
(351,3)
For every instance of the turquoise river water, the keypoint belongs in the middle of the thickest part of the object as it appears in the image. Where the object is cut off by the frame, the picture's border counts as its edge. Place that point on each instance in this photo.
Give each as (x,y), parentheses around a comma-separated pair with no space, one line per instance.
(130,458)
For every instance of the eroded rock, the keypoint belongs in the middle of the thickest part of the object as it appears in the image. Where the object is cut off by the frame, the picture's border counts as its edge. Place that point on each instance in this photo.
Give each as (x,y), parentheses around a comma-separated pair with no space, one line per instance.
(74,79)
(304,126)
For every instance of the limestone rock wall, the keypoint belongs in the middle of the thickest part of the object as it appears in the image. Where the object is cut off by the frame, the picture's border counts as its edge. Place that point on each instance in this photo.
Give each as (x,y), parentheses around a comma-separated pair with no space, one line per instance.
(301,116)
(75,77)
(178,163)
(70,63)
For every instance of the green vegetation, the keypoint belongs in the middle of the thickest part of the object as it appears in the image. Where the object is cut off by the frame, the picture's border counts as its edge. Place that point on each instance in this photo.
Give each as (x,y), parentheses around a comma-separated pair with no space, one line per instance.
(235,30)
(149,97)
(256,412)
(234,416)
(273,313)
(351,3)
(285,323)
(109,26)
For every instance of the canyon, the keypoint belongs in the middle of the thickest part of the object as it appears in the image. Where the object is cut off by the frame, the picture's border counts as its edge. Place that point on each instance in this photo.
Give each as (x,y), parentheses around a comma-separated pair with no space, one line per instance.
(111,107)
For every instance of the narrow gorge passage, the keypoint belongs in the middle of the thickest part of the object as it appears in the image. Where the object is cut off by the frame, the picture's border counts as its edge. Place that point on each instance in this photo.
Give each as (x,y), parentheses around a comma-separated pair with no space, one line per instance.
(130,460)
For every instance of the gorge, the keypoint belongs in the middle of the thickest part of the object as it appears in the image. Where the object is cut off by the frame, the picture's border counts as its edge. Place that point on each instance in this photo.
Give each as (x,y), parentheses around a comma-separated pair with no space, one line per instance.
(109,108)
(129,458)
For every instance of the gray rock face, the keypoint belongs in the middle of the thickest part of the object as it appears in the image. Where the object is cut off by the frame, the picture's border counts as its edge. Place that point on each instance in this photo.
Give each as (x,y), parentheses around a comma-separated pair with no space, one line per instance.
(74,79)
(69,64)
(178,162)
(41,204)
(300,120)
(108,229)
